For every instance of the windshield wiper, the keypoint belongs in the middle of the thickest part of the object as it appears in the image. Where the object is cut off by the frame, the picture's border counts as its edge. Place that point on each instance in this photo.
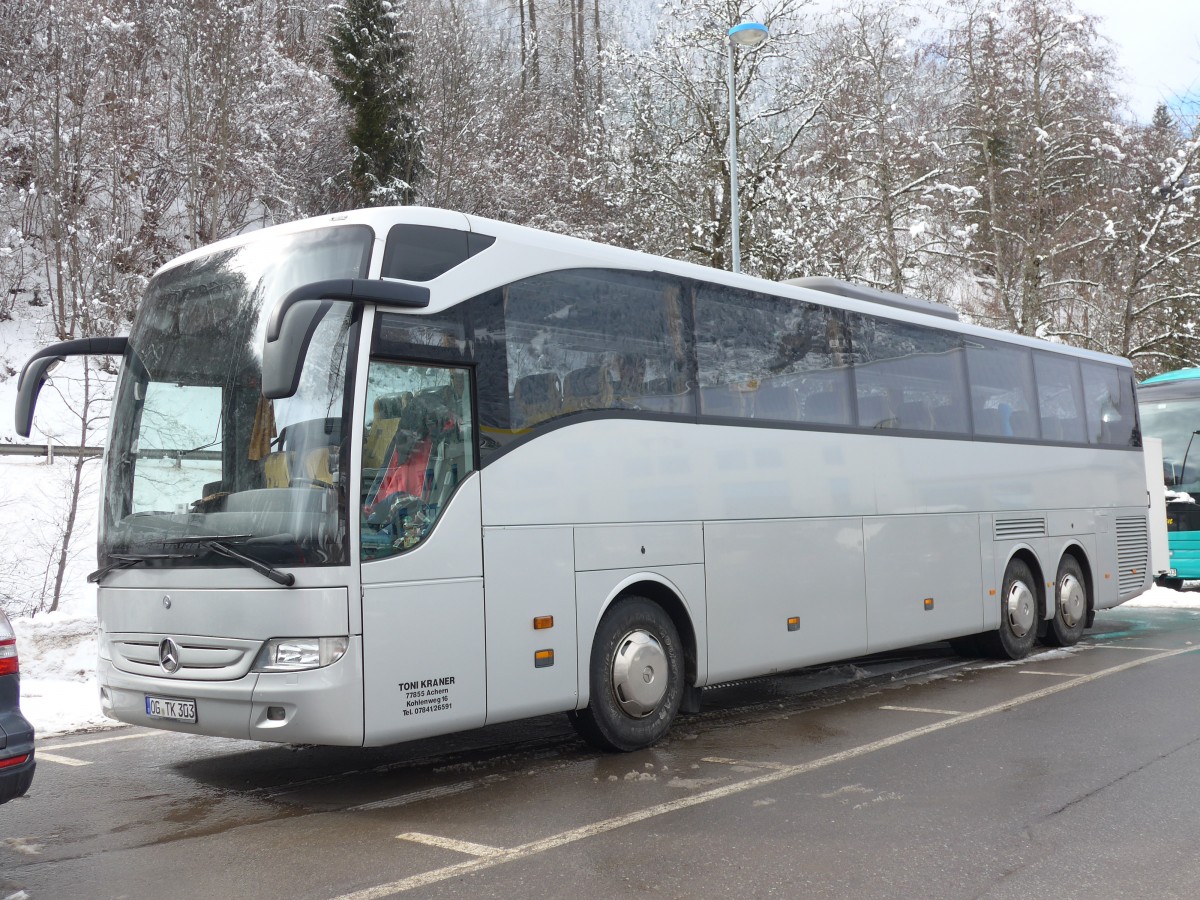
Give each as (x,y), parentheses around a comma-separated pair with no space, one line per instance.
(287,579)
(124,561)
(212,542)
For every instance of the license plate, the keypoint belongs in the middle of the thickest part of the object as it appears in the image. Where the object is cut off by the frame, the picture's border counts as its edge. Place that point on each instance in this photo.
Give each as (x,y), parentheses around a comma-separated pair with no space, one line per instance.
(174,708)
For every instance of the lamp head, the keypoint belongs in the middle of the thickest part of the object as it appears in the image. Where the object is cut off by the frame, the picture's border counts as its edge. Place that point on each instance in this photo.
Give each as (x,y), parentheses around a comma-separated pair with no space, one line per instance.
(748,35)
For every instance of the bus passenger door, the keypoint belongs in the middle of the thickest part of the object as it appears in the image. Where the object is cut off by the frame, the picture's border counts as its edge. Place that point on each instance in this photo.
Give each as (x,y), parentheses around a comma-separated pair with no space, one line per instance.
(531,621)
(421,551)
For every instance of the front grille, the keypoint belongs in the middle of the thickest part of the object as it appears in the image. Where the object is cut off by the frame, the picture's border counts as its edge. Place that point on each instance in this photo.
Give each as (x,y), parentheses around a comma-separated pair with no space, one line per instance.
(1133,554)
(1023,528)
(200,658)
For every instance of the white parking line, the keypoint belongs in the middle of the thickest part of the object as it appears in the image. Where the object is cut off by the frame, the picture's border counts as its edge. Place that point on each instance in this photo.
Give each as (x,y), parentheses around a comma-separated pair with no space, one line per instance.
(1055,674)
(71,761)
(741,762)
(923,709)
(445,790)
(573,835)
(1103,646)
(61,760)
(446,843)
(108,740)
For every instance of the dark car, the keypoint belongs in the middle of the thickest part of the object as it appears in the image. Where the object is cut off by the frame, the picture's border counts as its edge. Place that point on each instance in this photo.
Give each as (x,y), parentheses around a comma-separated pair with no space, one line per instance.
(16,734)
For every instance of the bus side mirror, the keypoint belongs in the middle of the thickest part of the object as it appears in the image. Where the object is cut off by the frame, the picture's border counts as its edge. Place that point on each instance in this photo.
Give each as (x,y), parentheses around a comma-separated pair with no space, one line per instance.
(37,369)
(296,317)
(283,357)
(1170,473)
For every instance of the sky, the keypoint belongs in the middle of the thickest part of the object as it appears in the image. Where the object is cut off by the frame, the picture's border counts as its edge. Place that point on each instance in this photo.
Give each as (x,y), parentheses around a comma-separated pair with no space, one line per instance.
(1158,44)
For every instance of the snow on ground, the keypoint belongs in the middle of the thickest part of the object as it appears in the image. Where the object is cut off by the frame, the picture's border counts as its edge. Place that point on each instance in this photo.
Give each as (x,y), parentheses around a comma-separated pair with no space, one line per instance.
(57,650)
(1156,596)
(58,673)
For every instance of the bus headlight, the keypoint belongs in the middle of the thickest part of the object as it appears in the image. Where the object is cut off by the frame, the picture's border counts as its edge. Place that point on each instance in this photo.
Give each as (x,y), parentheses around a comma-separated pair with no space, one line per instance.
(295,654)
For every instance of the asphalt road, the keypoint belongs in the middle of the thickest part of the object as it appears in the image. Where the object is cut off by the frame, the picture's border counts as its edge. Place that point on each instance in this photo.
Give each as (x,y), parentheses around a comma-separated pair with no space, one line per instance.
(1071,774)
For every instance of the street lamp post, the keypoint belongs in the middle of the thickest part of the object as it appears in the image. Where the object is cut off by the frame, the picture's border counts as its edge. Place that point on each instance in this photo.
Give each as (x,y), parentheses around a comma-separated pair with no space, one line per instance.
(748,36)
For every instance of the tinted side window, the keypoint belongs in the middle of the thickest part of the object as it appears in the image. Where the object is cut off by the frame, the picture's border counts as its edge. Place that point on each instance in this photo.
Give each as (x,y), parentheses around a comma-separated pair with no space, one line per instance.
(908,376)
(417,448)
(1060,398)
(1111,415)
(1003,393)
(594,339)
(768,358)
(423,252)
(1130,408)
(441,336)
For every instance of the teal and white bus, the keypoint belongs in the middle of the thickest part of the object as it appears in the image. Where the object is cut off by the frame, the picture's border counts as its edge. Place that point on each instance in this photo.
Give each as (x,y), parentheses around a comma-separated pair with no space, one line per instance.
(1170,411)
(401,472)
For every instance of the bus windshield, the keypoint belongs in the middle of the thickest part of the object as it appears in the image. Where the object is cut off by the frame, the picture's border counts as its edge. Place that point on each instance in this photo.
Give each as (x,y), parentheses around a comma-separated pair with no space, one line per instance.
(1173,422)
(199,461)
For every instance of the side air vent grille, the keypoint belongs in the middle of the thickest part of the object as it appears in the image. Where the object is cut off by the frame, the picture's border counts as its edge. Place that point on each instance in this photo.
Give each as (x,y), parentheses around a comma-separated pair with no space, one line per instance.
(1020,529)
(1133,553)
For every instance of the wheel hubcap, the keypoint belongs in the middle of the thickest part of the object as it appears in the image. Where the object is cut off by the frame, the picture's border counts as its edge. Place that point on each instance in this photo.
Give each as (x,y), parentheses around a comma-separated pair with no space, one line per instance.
(639,673)
(1072,601)
(1020,607)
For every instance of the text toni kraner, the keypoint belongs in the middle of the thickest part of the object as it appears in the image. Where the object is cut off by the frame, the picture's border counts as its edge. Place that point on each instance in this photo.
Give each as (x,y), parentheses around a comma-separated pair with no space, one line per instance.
(426,683)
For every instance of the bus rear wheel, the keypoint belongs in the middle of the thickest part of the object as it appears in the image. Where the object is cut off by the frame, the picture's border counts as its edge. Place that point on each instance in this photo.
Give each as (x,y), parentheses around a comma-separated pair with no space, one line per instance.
(635,676)
(1070,604)
(1018,616)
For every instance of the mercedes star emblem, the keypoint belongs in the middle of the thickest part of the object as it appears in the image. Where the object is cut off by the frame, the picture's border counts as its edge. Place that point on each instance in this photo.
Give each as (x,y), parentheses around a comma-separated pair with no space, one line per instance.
(168,656)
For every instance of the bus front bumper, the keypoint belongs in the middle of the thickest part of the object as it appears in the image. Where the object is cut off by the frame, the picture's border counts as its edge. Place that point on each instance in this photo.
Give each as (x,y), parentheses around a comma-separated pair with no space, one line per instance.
(313,706)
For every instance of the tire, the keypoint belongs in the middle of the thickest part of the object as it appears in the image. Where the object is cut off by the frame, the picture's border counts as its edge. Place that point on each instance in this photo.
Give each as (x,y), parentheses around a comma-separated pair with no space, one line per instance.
(1018,616)
(1070,604)
(635,675)
(1173,584)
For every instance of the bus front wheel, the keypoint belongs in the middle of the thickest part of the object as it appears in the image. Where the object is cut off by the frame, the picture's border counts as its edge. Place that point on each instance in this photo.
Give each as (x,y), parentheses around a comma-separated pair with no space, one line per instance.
(1018,615)
(1070,604)
(635,675)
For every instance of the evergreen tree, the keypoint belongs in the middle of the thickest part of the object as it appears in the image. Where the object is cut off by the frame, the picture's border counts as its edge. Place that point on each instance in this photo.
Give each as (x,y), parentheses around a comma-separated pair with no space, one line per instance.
(371,61)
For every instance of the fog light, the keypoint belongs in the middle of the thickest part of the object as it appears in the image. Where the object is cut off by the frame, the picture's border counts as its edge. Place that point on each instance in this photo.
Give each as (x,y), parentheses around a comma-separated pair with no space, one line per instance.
(275,713)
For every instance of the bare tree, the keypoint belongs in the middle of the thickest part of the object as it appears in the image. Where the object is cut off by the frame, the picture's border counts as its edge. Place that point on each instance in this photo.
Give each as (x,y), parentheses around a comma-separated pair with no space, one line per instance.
(880,144)
(666,161)
(1140,288)
(1030,152)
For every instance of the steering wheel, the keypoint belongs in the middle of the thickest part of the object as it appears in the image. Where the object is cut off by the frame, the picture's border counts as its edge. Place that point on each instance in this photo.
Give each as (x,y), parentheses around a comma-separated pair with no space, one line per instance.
(310,482)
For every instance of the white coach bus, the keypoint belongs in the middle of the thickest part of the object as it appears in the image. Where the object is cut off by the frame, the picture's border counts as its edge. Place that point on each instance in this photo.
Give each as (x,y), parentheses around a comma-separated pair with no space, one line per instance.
(402,472)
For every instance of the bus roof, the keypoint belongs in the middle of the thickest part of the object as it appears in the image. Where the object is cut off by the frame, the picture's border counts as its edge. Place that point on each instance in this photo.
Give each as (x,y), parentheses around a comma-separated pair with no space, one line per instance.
(1167,377)
(529,251)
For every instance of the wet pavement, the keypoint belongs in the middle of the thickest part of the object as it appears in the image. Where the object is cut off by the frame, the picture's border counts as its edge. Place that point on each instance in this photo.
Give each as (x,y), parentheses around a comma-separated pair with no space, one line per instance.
(911,774)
